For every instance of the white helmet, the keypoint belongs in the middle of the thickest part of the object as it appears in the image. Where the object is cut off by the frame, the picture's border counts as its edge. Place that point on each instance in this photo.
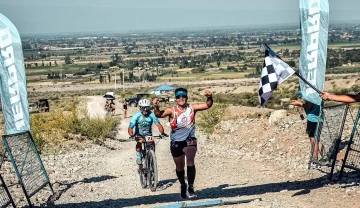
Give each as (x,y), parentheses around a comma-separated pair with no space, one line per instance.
(144,103)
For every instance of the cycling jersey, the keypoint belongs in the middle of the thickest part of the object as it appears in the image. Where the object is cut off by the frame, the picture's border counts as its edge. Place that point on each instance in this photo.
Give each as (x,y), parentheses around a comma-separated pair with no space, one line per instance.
(183,124)
(142,124)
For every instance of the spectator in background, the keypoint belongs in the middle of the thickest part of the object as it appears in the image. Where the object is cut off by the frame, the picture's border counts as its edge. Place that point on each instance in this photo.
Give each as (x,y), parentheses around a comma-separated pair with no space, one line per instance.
(125,108)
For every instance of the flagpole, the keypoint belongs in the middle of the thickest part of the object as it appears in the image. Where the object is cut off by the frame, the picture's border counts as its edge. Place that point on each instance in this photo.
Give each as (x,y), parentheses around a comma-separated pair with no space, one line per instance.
(308,83)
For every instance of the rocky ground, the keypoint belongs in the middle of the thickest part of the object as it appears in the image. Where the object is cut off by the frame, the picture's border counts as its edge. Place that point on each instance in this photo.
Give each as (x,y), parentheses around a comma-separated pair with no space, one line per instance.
(246,158)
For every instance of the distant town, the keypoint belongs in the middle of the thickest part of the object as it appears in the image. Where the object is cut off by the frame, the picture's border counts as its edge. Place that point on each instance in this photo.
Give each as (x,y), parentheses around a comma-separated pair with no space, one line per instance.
(174,55)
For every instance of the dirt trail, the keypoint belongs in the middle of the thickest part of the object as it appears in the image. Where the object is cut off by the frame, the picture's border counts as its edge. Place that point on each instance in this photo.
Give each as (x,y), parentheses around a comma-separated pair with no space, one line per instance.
(106,176)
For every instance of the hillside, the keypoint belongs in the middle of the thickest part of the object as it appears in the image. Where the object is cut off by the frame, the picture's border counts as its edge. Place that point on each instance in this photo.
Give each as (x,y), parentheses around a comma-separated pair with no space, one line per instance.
(245,158)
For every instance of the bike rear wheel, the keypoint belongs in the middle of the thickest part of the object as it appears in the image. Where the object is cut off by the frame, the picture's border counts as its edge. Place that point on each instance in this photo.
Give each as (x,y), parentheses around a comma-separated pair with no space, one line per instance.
(153,172)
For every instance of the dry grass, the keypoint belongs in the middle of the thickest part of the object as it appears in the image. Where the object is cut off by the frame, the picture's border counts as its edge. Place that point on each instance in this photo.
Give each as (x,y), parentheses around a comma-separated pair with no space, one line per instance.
(184,70)
(211,117)
(71,121)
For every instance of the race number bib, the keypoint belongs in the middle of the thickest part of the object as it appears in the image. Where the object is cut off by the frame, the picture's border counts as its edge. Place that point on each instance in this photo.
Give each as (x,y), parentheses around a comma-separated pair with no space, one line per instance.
(149,139)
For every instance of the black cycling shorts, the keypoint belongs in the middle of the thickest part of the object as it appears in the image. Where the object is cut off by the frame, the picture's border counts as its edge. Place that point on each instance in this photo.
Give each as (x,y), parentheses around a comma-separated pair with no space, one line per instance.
(311,128)
(176,147)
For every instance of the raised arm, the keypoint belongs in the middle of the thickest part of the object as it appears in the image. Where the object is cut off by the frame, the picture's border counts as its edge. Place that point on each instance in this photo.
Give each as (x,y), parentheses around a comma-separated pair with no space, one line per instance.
(341,98)
(207,104)
(161,113)
(157,122)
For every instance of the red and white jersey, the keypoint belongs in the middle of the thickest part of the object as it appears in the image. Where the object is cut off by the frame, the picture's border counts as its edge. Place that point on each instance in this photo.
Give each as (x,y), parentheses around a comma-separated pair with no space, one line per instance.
(183,124)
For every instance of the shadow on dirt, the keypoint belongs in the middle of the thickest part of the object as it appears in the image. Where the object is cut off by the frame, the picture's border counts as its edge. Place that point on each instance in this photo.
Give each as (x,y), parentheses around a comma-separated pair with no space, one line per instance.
(165,184)
(65,186)
(221,191)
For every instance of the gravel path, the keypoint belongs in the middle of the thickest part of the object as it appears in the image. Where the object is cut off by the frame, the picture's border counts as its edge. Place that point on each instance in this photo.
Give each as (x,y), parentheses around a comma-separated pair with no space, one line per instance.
(106,176)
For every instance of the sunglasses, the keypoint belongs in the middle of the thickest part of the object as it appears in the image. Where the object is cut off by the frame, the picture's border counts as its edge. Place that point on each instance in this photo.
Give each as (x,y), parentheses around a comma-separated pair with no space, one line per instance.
(181,96)
(145,108)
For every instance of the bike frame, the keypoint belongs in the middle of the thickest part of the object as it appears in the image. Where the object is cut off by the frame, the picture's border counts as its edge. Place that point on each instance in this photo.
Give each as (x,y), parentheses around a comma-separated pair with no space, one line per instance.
(148,148)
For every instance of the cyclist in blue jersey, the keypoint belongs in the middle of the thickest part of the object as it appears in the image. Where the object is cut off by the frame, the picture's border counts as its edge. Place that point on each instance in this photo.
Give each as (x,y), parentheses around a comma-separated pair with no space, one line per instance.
(142,122)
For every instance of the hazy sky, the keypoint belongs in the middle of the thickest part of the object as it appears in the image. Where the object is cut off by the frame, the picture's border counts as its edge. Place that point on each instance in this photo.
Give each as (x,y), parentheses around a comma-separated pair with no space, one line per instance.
(57,16)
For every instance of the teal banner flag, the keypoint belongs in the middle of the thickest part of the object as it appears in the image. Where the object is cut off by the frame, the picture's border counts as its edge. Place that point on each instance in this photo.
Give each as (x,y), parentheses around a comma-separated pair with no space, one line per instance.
(314,19)
(14,97)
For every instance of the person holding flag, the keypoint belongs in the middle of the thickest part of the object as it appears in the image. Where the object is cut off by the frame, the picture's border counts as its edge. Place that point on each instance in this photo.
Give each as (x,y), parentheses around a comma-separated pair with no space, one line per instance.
(274,72)
(313,115)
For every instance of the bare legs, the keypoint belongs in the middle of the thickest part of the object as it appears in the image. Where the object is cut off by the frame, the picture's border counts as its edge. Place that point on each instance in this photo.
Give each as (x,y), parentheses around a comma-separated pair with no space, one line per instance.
(189,156)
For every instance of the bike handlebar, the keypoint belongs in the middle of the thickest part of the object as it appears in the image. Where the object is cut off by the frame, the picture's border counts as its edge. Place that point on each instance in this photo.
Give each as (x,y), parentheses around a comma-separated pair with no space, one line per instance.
(138,137)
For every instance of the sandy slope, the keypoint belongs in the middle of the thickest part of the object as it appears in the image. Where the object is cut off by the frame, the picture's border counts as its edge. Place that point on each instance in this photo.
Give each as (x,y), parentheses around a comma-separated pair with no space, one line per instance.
(106,176)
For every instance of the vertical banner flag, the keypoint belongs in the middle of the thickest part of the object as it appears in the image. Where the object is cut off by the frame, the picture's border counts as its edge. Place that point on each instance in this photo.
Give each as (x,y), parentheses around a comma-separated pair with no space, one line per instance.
(14,98)
(314,19)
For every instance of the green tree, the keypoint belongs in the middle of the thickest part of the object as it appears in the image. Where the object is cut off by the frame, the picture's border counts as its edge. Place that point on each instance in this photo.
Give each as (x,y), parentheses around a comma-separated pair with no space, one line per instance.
(180,50)
(291,63)
(286,52)
(127,50)
(258,70)
(131,76)
(117,57)
(200,69)
(121,78)
(115,60)
(68,59)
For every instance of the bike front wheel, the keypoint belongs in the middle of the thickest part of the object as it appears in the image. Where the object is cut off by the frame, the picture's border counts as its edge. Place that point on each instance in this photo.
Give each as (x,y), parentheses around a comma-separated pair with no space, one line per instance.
(153,172)
(143,178)
(143,175)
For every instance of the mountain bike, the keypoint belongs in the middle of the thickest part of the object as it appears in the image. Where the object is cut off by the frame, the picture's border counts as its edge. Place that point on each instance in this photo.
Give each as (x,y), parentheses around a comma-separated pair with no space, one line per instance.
(148,171)
(111,111)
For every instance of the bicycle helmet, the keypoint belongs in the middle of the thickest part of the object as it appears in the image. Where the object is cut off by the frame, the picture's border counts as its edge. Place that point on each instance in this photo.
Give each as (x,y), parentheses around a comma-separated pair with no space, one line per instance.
(144,103)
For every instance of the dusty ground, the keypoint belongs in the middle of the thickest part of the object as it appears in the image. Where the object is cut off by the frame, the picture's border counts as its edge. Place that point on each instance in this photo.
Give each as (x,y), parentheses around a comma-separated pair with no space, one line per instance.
(246,158)
(106,177)
(49,87)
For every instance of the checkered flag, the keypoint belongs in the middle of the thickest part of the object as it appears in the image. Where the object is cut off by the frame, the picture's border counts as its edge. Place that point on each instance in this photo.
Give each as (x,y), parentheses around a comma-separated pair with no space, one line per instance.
(274,72)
